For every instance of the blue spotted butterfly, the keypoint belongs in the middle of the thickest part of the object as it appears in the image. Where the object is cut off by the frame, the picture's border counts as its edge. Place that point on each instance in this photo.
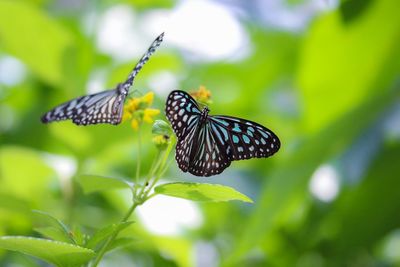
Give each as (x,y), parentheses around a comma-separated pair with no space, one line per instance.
(102,107)
(207,144)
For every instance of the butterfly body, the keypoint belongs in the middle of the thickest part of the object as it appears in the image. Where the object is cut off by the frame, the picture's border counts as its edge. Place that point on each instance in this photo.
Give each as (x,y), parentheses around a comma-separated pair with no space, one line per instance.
(102,107)
(208,143)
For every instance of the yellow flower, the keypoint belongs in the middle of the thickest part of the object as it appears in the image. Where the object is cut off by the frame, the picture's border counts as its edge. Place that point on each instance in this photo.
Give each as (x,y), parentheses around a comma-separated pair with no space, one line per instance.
(126,115)
(147,98)
(161,141)
(135,124)
(132,105)
(137,110)
(149,113)
(202,95)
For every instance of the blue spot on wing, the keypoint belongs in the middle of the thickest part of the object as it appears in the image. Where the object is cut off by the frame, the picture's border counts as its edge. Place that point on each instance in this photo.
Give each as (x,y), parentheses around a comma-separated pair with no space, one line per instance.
(236,128)
(223,122)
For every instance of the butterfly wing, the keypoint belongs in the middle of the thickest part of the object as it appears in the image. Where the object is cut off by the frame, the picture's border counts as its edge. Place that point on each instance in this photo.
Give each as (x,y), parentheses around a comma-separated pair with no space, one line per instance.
(224,139)
(129,81)
(103,107)
(184,114)
(207,147)
(244,139)
(210,157)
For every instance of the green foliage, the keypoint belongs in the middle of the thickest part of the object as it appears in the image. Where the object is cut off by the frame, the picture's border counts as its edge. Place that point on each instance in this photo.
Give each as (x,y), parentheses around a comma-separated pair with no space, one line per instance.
(55,252)
(330,91)
(161,127)
(102,234)
(93,183)
(49,44)
(57,229)
(201,192)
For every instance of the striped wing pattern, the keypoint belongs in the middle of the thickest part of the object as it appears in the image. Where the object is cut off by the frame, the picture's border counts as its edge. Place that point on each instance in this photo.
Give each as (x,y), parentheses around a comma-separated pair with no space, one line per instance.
(103,107)
(184,114)
(208,144)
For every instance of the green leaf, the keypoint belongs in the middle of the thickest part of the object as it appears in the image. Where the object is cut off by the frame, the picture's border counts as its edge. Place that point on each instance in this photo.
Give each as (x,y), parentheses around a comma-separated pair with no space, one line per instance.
(178,248)
(352,9)
(55,252)
(59,228)
(201,192)
(93,183)
(47,40)
(121,243)
(333,49)
(104,233)
(161,127)
(53,233)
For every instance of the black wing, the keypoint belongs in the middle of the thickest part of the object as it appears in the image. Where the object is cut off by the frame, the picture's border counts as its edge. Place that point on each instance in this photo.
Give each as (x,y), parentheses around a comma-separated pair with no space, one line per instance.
(184,114)
(182,111)
(103,107)
(209,157)
(244,139)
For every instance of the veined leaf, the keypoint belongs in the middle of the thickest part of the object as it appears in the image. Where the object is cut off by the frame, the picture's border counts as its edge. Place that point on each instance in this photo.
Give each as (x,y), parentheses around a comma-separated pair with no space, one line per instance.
(60,231)
(53,233)
(55,252)
(201,192)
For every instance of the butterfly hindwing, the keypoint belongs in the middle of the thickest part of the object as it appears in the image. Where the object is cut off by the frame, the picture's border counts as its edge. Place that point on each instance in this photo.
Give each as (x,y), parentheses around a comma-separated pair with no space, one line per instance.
(103,107)
(209,158)
(244,139)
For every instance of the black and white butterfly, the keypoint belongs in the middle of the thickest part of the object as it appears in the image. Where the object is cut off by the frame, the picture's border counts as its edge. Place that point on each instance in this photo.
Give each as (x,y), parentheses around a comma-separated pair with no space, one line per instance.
(102,107)
(207,144)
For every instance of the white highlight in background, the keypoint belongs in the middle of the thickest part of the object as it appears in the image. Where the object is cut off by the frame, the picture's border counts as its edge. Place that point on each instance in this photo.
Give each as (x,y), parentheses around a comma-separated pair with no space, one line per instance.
(65,167)
(164,215)
(324,183)
(163,82)
(12,71)
(206,30)
(97,81)
(116,34)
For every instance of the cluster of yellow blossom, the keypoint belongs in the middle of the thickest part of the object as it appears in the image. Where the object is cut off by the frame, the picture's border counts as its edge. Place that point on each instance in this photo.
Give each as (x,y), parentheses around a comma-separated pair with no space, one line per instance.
(138,110)
(202,95)
(161,141)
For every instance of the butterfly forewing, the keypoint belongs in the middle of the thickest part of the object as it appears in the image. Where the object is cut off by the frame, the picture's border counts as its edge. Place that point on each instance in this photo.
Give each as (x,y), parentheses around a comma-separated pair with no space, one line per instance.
(103,107)
(183,113)
(183,150)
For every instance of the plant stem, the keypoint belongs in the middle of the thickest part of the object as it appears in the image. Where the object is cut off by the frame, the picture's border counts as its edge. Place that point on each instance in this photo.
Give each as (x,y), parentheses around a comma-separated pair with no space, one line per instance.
(157,170)
(161,169)
(138,159)
(153,170)
(103,249)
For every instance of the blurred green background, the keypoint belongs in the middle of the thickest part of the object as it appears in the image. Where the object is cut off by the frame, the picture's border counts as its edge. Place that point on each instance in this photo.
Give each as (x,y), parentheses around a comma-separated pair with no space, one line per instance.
(322,74)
